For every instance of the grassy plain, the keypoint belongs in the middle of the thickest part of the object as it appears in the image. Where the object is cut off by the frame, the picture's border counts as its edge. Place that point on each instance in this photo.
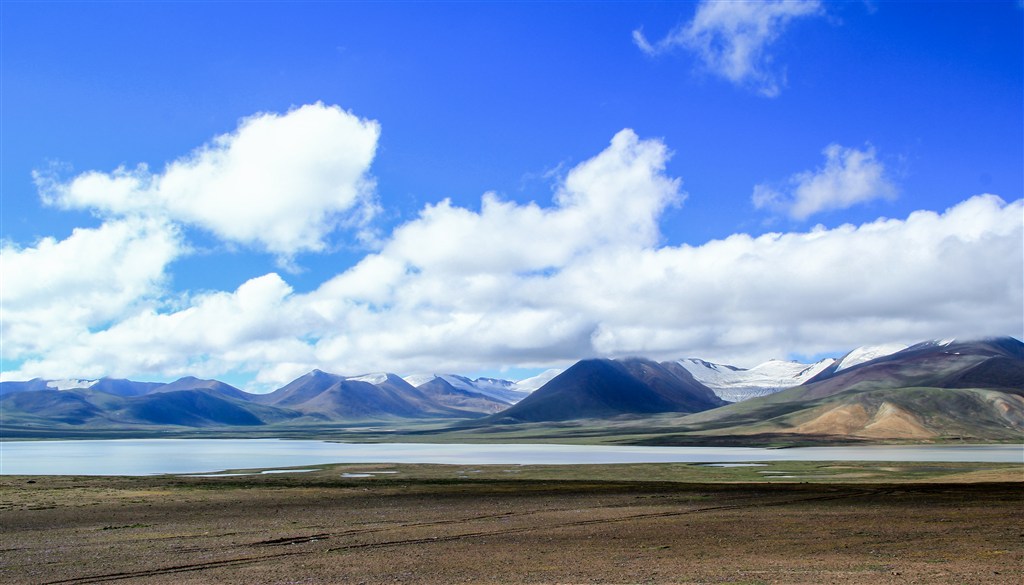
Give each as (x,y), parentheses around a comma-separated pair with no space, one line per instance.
(784,522)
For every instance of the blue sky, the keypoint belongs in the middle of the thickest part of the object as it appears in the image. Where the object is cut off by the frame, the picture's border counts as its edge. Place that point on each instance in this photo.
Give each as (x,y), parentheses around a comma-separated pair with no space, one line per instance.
(792,119)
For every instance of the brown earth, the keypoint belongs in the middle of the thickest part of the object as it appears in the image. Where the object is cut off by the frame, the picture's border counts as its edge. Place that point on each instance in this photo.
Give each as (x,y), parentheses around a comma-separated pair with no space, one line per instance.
(320,529)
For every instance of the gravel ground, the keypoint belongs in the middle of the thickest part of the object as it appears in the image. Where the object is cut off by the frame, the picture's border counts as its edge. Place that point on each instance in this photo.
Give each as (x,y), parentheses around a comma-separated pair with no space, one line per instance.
(322,528)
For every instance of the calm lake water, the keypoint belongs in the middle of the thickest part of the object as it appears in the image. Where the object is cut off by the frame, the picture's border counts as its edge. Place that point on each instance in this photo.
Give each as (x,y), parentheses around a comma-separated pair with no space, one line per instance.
(159,456)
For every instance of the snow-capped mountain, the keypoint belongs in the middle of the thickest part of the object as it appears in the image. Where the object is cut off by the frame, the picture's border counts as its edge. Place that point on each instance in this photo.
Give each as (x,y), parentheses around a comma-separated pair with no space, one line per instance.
(375,379)
(736,384)
(504,390)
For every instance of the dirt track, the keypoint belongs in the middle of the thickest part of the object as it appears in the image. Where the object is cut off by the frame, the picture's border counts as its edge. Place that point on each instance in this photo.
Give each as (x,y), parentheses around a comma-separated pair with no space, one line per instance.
(233,530)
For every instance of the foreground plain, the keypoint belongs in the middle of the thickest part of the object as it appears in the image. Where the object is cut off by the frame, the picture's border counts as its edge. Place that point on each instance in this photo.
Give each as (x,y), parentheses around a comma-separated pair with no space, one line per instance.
(849,523)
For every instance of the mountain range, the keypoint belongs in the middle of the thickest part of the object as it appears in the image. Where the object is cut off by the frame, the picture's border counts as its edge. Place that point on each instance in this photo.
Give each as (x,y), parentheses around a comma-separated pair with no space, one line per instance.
(931,389)
(972,389)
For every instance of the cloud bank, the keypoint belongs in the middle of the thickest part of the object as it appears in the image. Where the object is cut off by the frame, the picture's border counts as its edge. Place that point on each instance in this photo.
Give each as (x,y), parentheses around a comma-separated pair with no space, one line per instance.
(732,39)
(55,292)
(531,285)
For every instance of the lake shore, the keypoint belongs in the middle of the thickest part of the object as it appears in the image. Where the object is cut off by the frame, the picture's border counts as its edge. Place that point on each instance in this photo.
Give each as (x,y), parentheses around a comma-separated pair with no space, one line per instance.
(378,523)
(177,456)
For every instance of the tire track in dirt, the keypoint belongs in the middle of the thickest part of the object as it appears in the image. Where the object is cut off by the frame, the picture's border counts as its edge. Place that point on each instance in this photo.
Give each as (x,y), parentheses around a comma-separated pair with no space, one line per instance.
(590,522)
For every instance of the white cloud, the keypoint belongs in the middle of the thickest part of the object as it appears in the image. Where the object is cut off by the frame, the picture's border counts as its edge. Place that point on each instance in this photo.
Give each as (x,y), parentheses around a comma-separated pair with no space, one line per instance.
(55,291)
(732,39)
(849,177)
(532,285)
(282,183)
(614,199)
(255,327)
(930,275)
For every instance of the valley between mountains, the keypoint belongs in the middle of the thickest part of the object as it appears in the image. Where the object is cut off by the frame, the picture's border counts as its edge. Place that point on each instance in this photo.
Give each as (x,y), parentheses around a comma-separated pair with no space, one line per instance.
(940,390)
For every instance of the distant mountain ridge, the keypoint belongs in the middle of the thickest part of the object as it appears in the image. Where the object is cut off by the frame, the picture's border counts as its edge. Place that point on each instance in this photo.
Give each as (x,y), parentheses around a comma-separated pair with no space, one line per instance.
(937,388)
(192,402)
(334,397)
(934,389)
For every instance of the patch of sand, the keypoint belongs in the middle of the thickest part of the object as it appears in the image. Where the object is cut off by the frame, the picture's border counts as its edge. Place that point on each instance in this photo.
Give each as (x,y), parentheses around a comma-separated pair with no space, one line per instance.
(887,422)
(839,420)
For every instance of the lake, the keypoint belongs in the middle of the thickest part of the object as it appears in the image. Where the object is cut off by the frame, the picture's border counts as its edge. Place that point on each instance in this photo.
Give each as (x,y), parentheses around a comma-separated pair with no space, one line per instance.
(174,456)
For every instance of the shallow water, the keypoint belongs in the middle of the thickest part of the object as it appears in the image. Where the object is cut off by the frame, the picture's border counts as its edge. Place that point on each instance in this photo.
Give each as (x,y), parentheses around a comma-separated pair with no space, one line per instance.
(177,456)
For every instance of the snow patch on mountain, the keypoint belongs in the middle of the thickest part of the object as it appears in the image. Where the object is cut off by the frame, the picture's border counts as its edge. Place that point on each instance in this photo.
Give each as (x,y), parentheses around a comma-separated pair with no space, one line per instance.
(460,382)
(867,353)
(735,384)
(416,380)
(374,379)
(531,384)
(70,384)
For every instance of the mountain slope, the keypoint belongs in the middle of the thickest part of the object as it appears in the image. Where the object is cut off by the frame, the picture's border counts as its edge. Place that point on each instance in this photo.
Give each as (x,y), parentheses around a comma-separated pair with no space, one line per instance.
(47,406)
(199,408)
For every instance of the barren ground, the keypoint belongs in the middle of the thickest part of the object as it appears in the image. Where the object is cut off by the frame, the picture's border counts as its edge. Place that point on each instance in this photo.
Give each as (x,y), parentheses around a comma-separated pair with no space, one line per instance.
(438,524)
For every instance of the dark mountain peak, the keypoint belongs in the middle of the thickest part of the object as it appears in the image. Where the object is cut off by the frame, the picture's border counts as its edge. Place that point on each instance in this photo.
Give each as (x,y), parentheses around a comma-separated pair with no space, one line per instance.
(601,388)
(300,389)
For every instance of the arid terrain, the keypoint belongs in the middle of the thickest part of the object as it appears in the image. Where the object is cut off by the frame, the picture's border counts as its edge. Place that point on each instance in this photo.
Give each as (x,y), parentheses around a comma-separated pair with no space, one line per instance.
(842,523)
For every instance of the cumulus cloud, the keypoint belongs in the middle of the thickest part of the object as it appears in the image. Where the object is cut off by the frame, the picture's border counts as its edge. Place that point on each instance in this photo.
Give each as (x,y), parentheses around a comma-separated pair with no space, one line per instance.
(613,199)
(583,275)
(54,292)
(848,177)
(280,182)
(732,39)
